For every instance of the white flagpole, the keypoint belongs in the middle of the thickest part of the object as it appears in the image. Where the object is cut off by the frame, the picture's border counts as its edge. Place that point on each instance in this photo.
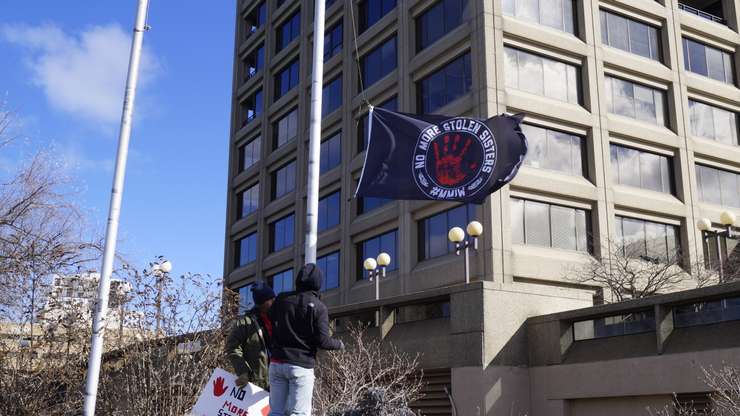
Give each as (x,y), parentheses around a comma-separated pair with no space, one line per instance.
(314,144)
(111,233)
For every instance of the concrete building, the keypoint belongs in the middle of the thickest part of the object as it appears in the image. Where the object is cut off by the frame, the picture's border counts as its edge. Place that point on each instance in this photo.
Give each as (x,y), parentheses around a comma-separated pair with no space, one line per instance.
(632,122)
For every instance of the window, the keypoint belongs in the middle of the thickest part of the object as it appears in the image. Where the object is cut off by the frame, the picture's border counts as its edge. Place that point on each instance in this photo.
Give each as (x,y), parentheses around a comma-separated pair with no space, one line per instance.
(542,76)
(329,266)
(422,312)
(445,85)
(705,313)
(287,79)
(283,180)
(286,129)
(281,233)
(255,19)
(282,282)
(433,231)
(247,201)
(557,14)
(246,301)
(378,63)
(373,10)
(713,123)
(331,96)
(249,154)
(651,241)
(331,153)
(554,150)
(717,186)
(616,325)
(362,132)
(438,21)
(629,99)
(254,62)
(246,250)
(546,225)
(288,31)
(640,169)
(369,203)
(251,107)
(708,61)
(729,248)
(385,243)
(329,211)
(333,41)
(629,35)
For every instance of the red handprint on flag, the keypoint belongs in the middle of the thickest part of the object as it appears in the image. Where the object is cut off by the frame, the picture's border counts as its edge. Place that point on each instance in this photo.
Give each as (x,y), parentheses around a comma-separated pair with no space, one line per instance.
(449,160)
(218,387)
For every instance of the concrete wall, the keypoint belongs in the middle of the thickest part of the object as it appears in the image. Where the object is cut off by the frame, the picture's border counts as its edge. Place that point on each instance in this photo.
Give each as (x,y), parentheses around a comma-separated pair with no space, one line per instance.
(620,406)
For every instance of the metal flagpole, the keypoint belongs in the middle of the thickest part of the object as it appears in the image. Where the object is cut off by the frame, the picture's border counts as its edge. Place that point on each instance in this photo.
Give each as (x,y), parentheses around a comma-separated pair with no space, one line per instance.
(314,145)
(111,232)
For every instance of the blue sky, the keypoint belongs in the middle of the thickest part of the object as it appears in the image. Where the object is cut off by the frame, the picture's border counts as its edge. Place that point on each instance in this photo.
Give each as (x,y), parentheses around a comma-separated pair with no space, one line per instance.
(63,74)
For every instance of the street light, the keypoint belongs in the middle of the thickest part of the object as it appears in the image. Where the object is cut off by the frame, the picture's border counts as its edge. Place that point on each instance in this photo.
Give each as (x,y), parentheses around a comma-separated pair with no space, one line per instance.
(457,236)
(728,220)
(160,270)
(376,269)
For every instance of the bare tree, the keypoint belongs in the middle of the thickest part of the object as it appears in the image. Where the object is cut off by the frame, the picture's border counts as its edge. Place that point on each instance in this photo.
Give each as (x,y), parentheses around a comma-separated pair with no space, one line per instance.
(724,396)
(626,271)
(367,378)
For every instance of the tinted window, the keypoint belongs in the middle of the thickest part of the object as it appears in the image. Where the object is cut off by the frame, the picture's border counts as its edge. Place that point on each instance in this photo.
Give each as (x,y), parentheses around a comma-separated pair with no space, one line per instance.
(373,10)
(329,265)
(286,129)
(629,35)
(640,169)
(333,41)
(281,233)
(438,20)
(249,153)
(251,107)
(286,79)
(445,85)
(708,61)
(282,282)
(254,62)
(329,211)
(713,123)
(246,250)
(256,19)
(616,325)
(554,150)
(362,131)
(288,31)
(716,186)
(331,153)
(283,180)
(246,302)
(542,76)
(331,96)
(248,201)
(648,240)
(385,243)
(705,313)
(378,63)
(547,225)
(557,14)
(629,99)
(433,241)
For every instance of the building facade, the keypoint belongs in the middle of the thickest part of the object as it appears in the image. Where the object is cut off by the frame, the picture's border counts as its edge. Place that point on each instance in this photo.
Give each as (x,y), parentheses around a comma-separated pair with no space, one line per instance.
(631,119)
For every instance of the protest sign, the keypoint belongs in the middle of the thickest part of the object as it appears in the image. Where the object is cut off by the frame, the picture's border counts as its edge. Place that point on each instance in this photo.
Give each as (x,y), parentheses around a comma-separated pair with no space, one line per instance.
(222,397)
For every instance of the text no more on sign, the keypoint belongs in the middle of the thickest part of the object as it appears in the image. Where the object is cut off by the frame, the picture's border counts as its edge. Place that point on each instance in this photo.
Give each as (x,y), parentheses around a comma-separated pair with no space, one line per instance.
(222,397)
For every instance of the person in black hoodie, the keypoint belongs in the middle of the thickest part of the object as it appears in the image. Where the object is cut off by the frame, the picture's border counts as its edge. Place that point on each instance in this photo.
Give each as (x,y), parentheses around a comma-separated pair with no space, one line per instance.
(300,327)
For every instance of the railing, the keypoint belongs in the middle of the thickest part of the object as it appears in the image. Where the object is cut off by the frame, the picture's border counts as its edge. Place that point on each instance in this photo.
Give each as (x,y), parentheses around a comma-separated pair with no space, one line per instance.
(701,14)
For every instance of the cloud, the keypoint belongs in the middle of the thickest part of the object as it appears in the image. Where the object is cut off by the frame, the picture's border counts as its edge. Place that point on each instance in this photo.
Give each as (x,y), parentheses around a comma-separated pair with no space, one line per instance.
(82,74)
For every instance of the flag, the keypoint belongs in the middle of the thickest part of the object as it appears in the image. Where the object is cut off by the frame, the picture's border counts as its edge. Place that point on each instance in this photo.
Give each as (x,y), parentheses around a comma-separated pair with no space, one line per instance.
(440,158)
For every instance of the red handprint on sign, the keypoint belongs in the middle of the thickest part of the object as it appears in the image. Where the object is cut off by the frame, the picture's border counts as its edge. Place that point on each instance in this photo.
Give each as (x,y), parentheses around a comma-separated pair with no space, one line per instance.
(448,160)
(266,410)
(218,387)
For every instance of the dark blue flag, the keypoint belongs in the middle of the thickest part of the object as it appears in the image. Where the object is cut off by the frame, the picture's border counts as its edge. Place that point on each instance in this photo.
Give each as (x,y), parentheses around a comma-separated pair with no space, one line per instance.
(438,157)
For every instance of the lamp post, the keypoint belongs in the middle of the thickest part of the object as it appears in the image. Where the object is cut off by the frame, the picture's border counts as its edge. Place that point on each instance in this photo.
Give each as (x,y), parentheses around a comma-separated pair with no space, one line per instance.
(160,271)
(457,236)
(376,269)
(728,220)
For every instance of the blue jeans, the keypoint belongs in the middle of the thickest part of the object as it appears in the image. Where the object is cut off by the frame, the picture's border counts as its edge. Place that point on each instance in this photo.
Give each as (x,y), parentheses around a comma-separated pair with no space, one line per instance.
(291,390)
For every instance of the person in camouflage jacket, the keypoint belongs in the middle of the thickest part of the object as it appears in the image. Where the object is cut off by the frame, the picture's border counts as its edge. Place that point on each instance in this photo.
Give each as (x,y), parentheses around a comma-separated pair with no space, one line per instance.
(247,346)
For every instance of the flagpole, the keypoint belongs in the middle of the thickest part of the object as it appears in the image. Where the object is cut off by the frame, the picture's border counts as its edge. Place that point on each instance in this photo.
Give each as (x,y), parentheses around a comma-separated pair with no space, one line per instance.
(111,233)
(314,144)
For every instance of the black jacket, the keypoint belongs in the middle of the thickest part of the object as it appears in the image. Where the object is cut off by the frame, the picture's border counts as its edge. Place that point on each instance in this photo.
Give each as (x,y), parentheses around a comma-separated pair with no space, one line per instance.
(300,321)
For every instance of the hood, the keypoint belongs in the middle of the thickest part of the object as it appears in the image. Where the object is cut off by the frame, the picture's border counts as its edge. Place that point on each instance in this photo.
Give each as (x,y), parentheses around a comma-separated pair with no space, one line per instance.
(309,278)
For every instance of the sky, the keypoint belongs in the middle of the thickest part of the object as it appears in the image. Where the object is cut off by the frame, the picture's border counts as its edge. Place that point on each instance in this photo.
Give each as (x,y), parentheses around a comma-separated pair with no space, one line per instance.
(62,72)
